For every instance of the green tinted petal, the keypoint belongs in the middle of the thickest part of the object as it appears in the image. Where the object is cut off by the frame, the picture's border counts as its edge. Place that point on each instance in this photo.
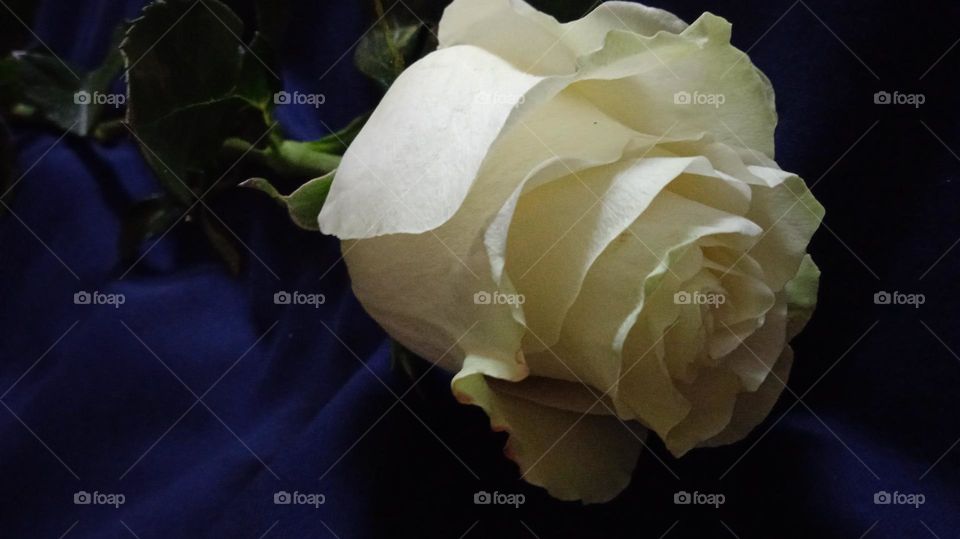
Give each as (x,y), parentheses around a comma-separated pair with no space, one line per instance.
(574,456)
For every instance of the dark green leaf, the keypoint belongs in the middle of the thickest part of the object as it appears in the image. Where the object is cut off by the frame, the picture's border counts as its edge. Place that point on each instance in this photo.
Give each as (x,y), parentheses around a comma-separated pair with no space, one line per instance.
(410,364)
(386,50)
(257,84)
(148,218)
(70,99)
(180,54)
(184,65)
(337,143)
(183,146)
(223,241)
(304,204)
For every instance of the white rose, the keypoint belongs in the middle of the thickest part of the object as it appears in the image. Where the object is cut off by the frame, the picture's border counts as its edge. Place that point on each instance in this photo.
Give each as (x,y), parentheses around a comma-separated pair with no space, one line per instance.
(585,223)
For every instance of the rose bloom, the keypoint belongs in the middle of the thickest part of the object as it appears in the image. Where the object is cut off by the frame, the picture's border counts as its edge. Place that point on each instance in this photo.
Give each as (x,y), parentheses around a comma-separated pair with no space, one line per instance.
(585,223)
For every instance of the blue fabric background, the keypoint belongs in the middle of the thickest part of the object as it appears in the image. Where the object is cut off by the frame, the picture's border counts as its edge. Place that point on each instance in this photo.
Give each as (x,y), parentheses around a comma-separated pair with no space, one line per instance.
(90,407)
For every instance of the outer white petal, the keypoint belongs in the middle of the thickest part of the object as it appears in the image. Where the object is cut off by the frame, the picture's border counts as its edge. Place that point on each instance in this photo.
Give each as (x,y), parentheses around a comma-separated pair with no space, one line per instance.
(510,29)
(534,41)
(411,166)
(421,289)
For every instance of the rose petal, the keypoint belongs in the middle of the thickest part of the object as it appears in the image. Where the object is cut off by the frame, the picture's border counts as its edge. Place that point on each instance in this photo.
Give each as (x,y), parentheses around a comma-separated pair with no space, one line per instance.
(511,29)
(790,215)
(801,294)
(555,393)
(413,162)
(609,306)
(424,295)
(548,259)
(574,456)
(534,41)
(421,288)
(636,79)
(712,398)
(753,360)
(753,407)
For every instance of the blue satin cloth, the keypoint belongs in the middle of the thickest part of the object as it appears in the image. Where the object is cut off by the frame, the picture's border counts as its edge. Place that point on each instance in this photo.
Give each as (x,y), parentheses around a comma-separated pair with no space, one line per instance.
(201,402)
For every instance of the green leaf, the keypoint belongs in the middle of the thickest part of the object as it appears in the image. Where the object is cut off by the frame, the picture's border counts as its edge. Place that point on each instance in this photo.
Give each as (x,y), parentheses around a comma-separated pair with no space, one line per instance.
(183,146)
(304,204)
(180,54)
(146,219)
(298,160)
(410,364)
(294,158)
(337,143)
(386,50)
(223,241)
(192,85)
(257,84)
(61,94)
